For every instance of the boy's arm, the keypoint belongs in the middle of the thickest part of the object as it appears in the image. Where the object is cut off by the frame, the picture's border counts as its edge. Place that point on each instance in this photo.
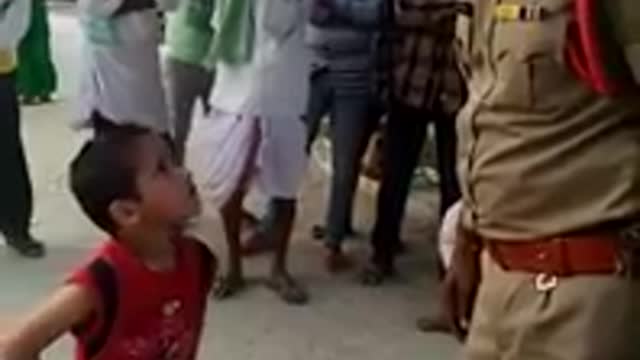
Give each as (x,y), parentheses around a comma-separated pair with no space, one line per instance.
(68,307)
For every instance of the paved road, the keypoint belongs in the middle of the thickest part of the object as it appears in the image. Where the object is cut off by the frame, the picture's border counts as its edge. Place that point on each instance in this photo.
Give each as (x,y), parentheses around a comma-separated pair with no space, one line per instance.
(344,320)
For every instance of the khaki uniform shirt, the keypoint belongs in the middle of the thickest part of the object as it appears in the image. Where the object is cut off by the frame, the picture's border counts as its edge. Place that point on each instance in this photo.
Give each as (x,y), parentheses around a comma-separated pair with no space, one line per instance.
(540,154)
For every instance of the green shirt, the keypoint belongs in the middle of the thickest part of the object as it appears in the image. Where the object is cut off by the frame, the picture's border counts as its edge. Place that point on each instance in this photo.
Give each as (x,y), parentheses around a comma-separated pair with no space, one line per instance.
(189,31)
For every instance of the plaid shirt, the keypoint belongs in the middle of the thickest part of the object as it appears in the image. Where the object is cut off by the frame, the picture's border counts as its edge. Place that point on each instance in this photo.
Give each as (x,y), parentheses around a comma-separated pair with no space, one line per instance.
(417,56)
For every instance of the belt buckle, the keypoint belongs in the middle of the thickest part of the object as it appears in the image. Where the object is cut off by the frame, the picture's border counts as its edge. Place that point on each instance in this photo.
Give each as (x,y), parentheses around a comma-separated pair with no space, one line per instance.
(545,282)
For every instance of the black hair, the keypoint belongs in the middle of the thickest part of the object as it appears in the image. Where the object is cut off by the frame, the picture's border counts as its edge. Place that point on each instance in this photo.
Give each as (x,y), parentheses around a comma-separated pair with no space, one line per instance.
(105,171)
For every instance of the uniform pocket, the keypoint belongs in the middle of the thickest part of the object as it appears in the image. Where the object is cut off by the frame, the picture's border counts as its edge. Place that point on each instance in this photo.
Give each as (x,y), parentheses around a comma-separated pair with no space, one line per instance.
(528,52)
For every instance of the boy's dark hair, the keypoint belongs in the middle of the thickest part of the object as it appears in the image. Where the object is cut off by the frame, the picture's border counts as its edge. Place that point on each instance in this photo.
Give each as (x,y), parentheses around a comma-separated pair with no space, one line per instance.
(104,171)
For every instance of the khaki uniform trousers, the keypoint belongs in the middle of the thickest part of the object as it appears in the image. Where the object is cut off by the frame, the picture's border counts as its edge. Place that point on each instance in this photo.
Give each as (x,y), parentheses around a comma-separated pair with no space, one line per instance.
(582,318)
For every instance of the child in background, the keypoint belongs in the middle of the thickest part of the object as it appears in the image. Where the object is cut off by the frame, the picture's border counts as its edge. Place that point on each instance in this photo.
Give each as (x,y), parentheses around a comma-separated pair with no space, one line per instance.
(143,294)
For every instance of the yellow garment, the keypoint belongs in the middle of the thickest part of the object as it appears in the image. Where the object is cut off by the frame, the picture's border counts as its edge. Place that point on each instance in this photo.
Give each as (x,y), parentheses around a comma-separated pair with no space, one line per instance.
(7,61)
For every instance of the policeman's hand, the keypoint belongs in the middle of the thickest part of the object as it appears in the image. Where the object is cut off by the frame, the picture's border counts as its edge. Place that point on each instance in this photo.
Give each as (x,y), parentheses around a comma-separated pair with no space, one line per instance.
(460,285)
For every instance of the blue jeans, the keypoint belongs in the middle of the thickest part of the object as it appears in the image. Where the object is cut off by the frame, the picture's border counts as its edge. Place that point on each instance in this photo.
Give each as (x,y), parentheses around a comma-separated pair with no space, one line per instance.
(352,120)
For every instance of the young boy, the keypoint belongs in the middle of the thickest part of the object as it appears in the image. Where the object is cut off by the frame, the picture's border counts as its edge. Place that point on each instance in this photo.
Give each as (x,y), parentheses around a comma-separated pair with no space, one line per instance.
(143,294)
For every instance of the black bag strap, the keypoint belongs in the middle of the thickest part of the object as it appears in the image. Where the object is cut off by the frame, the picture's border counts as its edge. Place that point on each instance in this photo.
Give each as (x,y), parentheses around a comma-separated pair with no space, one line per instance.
(107,285)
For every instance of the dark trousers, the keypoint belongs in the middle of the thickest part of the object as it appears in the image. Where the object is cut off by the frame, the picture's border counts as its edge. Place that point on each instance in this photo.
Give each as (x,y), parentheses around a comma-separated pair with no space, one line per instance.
(16,197)
(405,135)
(352,121)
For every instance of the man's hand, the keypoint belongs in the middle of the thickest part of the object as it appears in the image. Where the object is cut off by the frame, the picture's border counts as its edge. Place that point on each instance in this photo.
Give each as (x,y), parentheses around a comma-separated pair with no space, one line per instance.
(460,285)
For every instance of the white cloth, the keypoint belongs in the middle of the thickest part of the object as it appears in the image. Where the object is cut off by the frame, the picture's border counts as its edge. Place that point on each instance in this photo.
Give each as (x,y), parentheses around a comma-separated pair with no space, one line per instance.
(449,232)
(265,101)
(14,21)
(220,146)
(122,76)
(276,82)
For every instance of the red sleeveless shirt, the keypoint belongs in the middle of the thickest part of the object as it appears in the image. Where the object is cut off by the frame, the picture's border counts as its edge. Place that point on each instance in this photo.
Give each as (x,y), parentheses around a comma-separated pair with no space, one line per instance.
(142,314)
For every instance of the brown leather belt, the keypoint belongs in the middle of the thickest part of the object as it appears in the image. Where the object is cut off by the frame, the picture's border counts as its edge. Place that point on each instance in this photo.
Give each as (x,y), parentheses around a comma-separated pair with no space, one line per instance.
(566,256)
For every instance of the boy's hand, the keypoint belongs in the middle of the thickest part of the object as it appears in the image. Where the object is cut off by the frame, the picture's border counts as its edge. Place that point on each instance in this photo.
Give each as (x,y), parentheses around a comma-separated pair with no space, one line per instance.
(65,309)
(460,285)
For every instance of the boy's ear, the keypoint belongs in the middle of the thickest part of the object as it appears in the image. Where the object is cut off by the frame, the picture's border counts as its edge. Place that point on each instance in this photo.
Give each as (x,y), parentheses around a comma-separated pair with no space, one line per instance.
(124,212)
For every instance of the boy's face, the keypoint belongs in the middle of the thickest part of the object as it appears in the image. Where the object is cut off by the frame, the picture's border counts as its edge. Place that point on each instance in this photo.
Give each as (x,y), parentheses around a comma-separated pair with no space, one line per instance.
(167,194)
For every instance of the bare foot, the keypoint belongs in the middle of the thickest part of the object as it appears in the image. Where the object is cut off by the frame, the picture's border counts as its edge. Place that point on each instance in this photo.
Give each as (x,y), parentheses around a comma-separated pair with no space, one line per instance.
(338,262)
(288,289)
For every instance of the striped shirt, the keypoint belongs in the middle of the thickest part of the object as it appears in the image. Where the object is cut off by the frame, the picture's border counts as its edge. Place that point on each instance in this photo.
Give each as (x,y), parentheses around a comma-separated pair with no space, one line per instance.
(417,55)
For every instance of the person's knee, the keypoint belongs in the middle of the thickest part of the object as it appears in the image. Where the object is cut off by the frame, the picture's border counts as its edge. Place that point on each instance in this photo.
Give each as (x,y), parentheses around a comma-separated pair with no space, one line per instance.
(283,207)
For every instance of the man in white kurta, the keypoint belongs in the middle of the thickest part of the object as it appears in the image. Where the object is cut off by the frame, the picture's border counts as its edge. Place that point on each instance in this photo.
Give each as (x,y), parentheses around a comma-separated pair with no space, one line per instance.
(256,135)
(121,80)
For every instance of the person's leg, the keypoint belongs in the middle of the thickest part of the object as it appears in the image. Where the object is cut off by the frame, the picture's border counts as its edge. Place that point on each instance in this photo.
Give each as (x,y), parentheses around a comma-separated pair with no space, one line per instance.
(446,154)
(281,281)
(15,184)
(206,83)
(37,79)
(184,85)
(232,217)
(349,127)
(404,138)
(320,98)
(262,238)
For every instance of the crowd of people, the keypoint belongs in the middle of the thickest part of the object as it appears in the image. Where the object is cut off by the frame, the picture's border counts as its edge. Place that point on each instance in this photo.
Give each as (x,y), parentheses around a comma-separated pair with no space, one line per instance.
(544,198)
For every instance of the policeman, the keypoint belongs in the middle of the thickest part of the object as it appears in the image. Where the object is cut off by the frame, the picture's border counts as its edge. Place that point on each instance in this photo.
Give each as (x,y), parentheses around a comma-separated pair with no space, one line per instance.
(550,174)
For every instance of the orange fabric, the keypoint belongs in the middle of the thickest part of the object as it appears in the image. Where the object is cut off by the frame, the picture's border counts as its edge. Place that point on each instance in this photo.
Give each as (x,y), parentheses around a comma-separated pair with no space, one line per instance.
(566,256)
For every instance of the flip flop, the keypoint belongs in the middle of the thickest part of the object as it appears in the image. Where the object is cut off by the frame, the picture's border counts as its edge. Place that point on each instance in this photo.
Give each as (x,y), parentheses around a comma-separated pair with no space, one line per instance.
(288,290)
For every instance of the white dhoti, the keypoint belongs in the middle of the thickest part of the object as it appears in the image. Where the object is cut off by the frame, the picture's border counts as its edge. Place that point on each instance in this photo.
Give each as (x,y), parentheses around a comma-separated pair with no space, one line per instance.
(219,155)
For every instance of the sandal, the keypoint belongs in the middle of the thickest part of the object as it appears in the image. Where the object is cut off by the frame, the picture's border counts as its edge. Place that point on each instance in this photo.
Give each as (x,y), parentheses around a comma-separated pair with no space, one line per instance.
(288,289)
(225,288)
